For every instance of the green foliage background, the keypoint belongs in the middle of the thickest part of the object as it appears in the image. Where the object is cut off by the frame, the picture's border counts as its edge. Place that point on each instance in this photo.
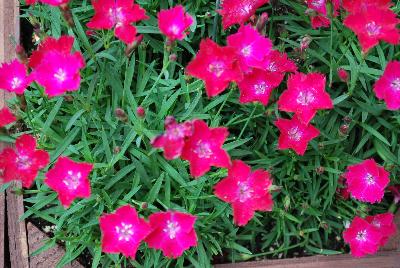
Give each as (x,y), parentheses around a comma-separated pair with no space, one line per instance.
(308,217)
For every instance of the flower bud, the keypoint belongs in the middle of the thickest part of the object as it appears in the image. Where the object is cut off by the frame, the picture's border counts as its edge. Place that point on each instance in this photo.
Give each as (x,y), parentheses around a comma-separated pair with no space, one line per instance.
(305,42)
(173,57)
(140,112)
(261,22)
(120,114)
(343,75)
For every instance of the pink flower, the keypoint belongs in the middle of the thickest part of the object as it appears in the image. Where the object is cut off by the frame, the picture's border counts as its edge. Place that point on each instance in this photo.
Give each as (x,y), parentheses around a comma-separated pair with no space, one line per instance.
(119,14)
(343,75)
(388,86)
(173,140)
(367,181)
(239,11)
(173,232)
(69,179)
(24,162)
(6,117)
(251,47)
(174,22)
(59,72)
(354,6)
(305,95)
(278,62)
(204,148)
(295,134)
(49,2)
(258,85)
(123,231)
(216,66)
(55,67)
(373,25)
(385,225)
(62,45)
(363,237)
(320,19)
(13,77)
(246,191)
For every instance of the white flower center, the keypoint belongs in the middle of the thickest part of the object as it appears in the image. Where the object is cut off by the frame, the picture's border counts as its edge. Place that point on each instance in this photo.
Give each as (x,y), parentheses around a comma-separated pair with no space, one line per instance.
(246,51)
(396,84)
(175,133)
(373,29)
(260,88)
(60,75)
(362,236)
(246,9)
(305,98)
(72,180)
(172,229)
(217,68)
(376,223)
(272,67)
(318,3)
(23,162)
(175,29)
(124,231)
(295,134)
(369,179)
(245,192)
(203,150)
(16,83)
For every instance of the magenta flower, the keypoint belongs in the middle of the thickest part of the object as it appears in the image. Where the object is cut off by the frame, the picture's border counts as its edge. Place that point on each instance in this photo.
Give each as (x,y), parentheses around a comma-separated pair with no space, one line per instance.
(173,140)
(55,67)
(246,191)
(367,181)
(320,19)
(204,149)
(123,231)
(295,134)
(277,62)
(385,225)
(13,77)
(305,95)
(24,162)
(251,47)
(69,179)
(173,232)
(258,85)
(239,11)
(216,66)
(49,2)
(343,75)
(362,237)
(119,14)
(174,22)
(6,117)
(354,6)
(373,25)
(387,88)
(59,73)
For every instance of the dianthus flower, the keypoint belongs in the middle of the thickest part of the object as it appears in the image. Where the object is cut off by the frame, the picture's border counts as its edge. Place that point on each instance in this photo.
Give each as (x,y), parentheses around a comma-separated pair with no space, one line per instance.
(123,231)
(49,2)
(204,148)
(216,66)
(69,179)
(173,139)
(174,22)
(24,162)
(238,11)
(246,191)
(295,134)
(6,117)
(385,224)
(367,181)
(172,232)
(251,47)
(13,77)
(362,237)
(387,88)
(119,14)
(305,95)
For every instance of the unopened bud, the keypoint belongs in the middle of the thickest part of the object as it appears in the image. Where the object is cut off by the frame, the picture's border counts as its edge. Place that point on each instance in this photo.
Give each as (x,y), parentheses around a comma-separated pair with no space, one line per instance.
(132,46)
(120,114)
(261,22)
(343,75)
(173,57)
(140,112)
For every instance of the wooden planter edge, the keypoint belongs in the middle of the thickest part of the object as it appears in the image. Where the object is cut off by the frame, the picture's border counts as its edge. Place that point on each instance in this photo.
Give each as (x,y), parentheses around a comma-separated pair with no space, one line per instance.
(19,234)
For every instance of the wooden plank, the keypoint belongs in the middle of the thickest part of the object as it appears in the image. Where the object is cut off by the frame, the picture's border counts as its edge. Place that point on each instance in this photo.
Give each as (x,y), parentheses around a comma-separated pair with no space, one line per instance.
(49,258)
(389,259)
(9,34)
